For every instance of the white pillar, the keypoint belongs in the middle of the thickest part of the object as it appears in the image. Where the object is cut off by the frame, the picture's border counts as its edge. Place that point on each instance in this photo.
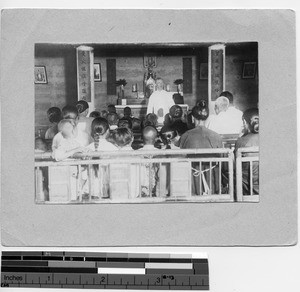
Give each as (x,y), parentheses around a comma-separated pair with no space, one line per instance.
(216,73)
(85,75)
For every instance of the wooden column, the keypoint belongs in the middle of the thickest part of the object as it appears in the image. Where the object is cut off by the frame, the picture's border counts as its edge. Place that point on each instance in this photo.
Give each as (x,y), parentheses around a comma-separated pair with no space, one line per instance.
(85,75)
(216,73)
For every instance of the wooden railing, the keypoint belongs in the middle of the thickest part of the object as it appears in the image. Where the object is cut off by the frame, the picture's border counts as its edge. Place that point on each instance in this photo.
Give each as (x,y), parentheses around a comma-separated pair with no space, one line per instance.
(247,174)
(203,175)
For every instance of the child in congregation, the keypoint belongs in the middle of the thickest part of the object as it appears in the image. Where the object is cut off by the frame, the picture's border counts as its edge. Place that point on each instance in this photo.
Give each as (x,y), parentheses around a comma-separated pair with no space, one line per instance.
(103,114)
(170,137)
(125,123)
(127,113)
(150,120)
(111,108)
(84,123)
(54,116)
(100,132)
(113,119)
(66,148)
(68,145)
(149,171)
(69,112)
(120,172)
(122,138)
(95,114)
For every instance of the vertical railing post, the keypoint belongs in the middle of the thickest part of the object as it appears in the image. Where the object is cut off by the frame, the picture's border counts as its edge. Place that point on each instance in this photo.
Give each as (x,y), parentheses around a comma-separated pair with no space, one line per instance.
(239,177)
(231,174)
(90,181)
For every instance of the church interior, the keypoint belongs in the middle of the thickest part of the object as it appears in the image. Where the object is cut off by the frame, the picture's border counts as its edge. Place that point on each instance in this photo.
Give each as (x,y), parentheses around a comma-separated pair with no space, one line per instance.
(188,62)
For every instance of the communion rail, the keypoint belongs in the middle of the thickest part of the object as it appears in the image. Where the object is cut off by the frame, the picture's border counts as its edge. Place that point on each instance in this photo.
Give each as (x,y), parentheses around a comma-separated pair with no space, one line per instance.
(202,175)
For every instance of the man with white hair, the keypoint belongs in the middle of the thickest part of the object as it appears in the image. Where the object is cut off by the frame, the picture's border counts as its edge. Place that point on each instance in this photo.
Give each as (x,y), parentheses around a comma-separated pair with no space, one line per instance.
(225,121)
(160,101)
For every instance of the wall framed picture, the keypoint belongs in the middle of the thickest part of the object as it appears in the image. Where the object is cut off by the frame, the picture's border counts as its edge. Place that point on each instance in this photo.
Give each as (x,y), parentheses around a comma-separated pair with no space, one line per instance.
(40,75)
(249,70)
(97,72)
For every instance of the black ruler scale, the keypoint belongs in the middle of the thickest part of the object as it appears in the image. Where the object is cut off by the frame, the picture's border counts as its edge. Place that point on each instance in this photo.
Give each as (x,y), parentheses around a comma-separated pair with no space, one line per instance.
(104,270)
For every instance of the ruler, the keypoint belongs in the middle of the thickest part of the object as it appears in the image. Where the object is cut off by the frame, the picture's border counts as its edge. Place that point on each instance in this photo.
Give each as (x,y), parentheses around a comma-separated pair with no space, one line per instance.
(141,271)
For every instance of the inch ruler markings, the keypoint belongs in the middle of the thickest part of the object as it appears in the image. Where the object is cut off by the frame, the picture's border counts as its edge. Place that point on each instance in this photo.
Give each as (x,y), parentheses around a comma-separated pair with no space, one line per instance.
(104,270)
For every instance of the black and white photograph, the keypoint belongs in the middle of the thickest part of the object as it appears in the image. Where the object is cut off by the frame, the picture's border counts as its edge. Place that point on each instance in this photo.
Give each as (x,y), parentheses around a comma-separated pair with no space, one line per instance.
(150,149)
(153,128)
(153,153)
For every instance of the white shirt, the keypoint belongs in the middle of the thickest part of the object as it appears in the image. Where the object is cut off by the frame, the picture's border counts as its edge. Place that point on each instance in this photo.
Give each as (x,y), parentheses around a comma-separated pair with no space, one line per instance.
(83,137)
(104,145)
(84,131)
(229,122)
(160,103)
(64,146)
(148,147)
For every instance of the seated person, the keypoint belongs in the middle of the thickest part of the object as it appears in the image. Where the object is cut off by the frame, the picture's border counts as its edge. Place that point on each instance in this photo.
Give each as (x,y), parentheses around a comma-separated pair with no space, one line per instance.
(180,127)
(149,171)
(224,122)
(127,112)
(205,111)
(68,145)
(137,132)
(250,139)
(54,116)
(198,138)
(232,110)
(170,137)
(174,119)
(66,148)
(40,145)
(103,114)
(136,125)
(68,112)
(150,120)
(175,113)
(83,123)
(125,123)
(112,119)
(111,108)
(100,133)
(99,173)
(149,137)
(95,114)
(122,138)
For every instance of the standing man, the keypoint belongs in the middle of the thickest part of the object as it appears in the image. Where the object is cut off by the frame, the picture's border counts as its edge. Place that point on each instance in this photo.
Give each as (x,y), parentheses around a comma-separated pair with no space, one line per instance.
(160,101)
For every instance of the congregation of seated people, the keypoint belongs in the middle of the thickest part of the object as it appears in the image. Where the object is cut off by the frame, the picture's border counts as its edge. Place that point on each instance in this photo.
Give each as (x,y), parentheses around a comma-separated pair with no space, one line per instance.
(74,130)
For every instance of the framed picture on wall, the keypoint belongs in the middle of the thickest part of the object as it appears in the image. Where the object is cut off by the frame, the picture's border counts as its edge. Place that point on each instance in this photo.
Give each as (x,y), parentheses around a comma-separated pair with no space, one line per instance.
(249,70)
(203,74)
(40,75)
(97,72)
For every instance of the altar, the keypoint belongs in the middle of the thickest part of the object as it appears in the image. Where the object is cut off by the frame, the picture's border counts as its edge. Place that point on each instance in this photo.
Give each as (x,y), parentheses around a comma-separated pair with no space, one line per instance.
(140,110)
